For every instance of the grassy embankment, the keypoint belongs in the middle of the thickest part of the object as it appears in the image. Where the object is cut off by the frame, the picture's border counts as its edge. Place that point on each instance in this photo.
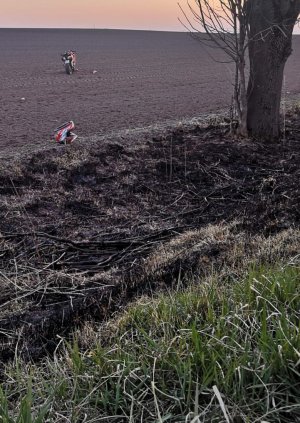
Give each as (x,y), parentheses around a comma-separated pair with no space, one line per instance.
(214,352)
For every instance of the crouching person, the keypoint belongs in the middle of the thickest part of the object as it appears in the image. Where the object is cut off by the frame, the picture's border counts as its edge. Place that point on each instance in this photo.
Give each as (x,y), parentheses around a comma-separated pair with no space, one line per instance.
(64,135)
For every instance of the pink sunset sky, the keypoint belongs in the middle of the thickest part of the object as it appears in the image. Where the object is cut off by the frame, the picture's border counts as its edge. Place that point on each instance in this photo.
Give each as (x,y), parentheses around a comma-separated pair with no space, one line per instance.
(124,14)
(127,14)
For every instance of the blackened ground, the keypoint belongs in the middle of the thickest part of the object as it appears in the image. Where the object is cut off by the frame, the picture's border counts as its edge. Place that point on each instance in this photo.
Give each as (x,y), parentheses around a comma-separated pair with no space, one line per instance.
(77,222)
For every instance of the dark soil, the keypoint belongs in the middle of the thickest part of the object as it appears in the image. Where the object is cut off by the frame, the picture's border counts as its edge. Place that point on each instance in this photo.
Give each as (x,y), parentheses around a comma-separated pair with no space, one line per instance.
(77,222)
(142,78)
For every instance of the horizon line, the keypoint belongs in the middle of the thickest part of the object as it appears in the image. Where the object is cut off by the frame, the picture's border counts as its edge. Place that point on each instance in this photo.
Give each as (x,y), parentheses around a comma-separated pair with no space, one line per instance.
(101,29)
(92,28)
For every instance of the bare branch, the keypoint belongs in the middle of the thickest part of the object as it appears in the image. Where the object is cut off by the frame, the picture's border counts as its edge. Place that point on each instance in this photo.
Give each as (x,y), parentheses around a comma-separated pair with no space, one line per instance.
(223,24)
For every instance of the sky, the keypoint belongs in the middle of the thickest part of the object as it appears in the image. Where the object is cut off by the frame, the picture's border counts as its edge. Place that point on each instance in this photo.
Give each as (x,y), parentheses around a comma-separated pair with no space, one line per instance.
(125,14)
(116,14)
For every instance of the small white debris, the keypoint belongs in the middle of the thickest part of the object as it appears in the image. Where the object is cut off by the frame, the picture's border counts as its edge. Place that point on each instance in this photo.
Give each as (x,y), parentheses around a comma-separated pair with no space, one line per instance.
(94,71)
(23,99)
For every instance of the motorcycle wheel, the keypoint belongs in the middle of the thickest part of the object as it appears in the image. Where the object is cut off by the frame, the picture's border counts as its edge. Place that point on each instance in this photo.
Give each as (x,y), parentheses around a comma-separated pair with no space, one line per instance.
(68,68)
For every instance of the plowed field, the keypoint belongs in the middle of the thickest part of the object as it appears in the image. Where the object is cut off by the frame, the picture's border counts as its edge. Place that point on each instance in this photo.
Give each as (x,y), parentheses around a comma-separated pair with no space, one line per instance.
(142,78)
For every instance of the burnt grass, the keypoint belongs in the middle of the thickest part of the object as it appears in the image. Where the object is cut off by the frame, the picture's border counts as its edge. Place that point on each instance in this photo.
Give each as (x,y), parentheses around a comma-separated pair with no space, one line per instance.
(77,223)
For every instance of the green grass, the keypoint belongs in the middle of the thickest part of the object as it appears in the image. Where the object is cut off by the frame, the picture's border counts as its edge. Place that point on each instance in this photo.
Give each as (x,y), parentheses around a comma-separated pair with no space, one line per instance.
(209,354)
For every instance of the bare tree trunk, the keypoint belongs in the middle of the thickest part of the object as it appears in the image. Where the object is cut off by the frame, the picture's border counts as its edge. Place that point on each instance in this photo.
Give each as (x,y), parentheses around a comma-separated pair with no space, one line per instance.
(243,101)
(264,96)
(270,44)
(242,18)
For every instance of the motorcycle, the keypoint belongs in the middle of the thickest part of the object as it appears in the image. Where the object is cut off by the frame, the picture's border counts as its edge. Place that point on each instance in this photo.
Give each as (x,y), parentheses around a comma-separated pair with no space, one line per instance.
(69,60)
(63,134)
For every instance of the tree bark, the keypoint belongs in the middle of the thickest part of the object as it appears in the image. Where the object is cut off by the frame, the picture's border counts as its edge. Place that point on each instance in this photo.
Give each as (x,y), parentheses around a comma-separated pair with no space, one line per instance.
(271,24)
